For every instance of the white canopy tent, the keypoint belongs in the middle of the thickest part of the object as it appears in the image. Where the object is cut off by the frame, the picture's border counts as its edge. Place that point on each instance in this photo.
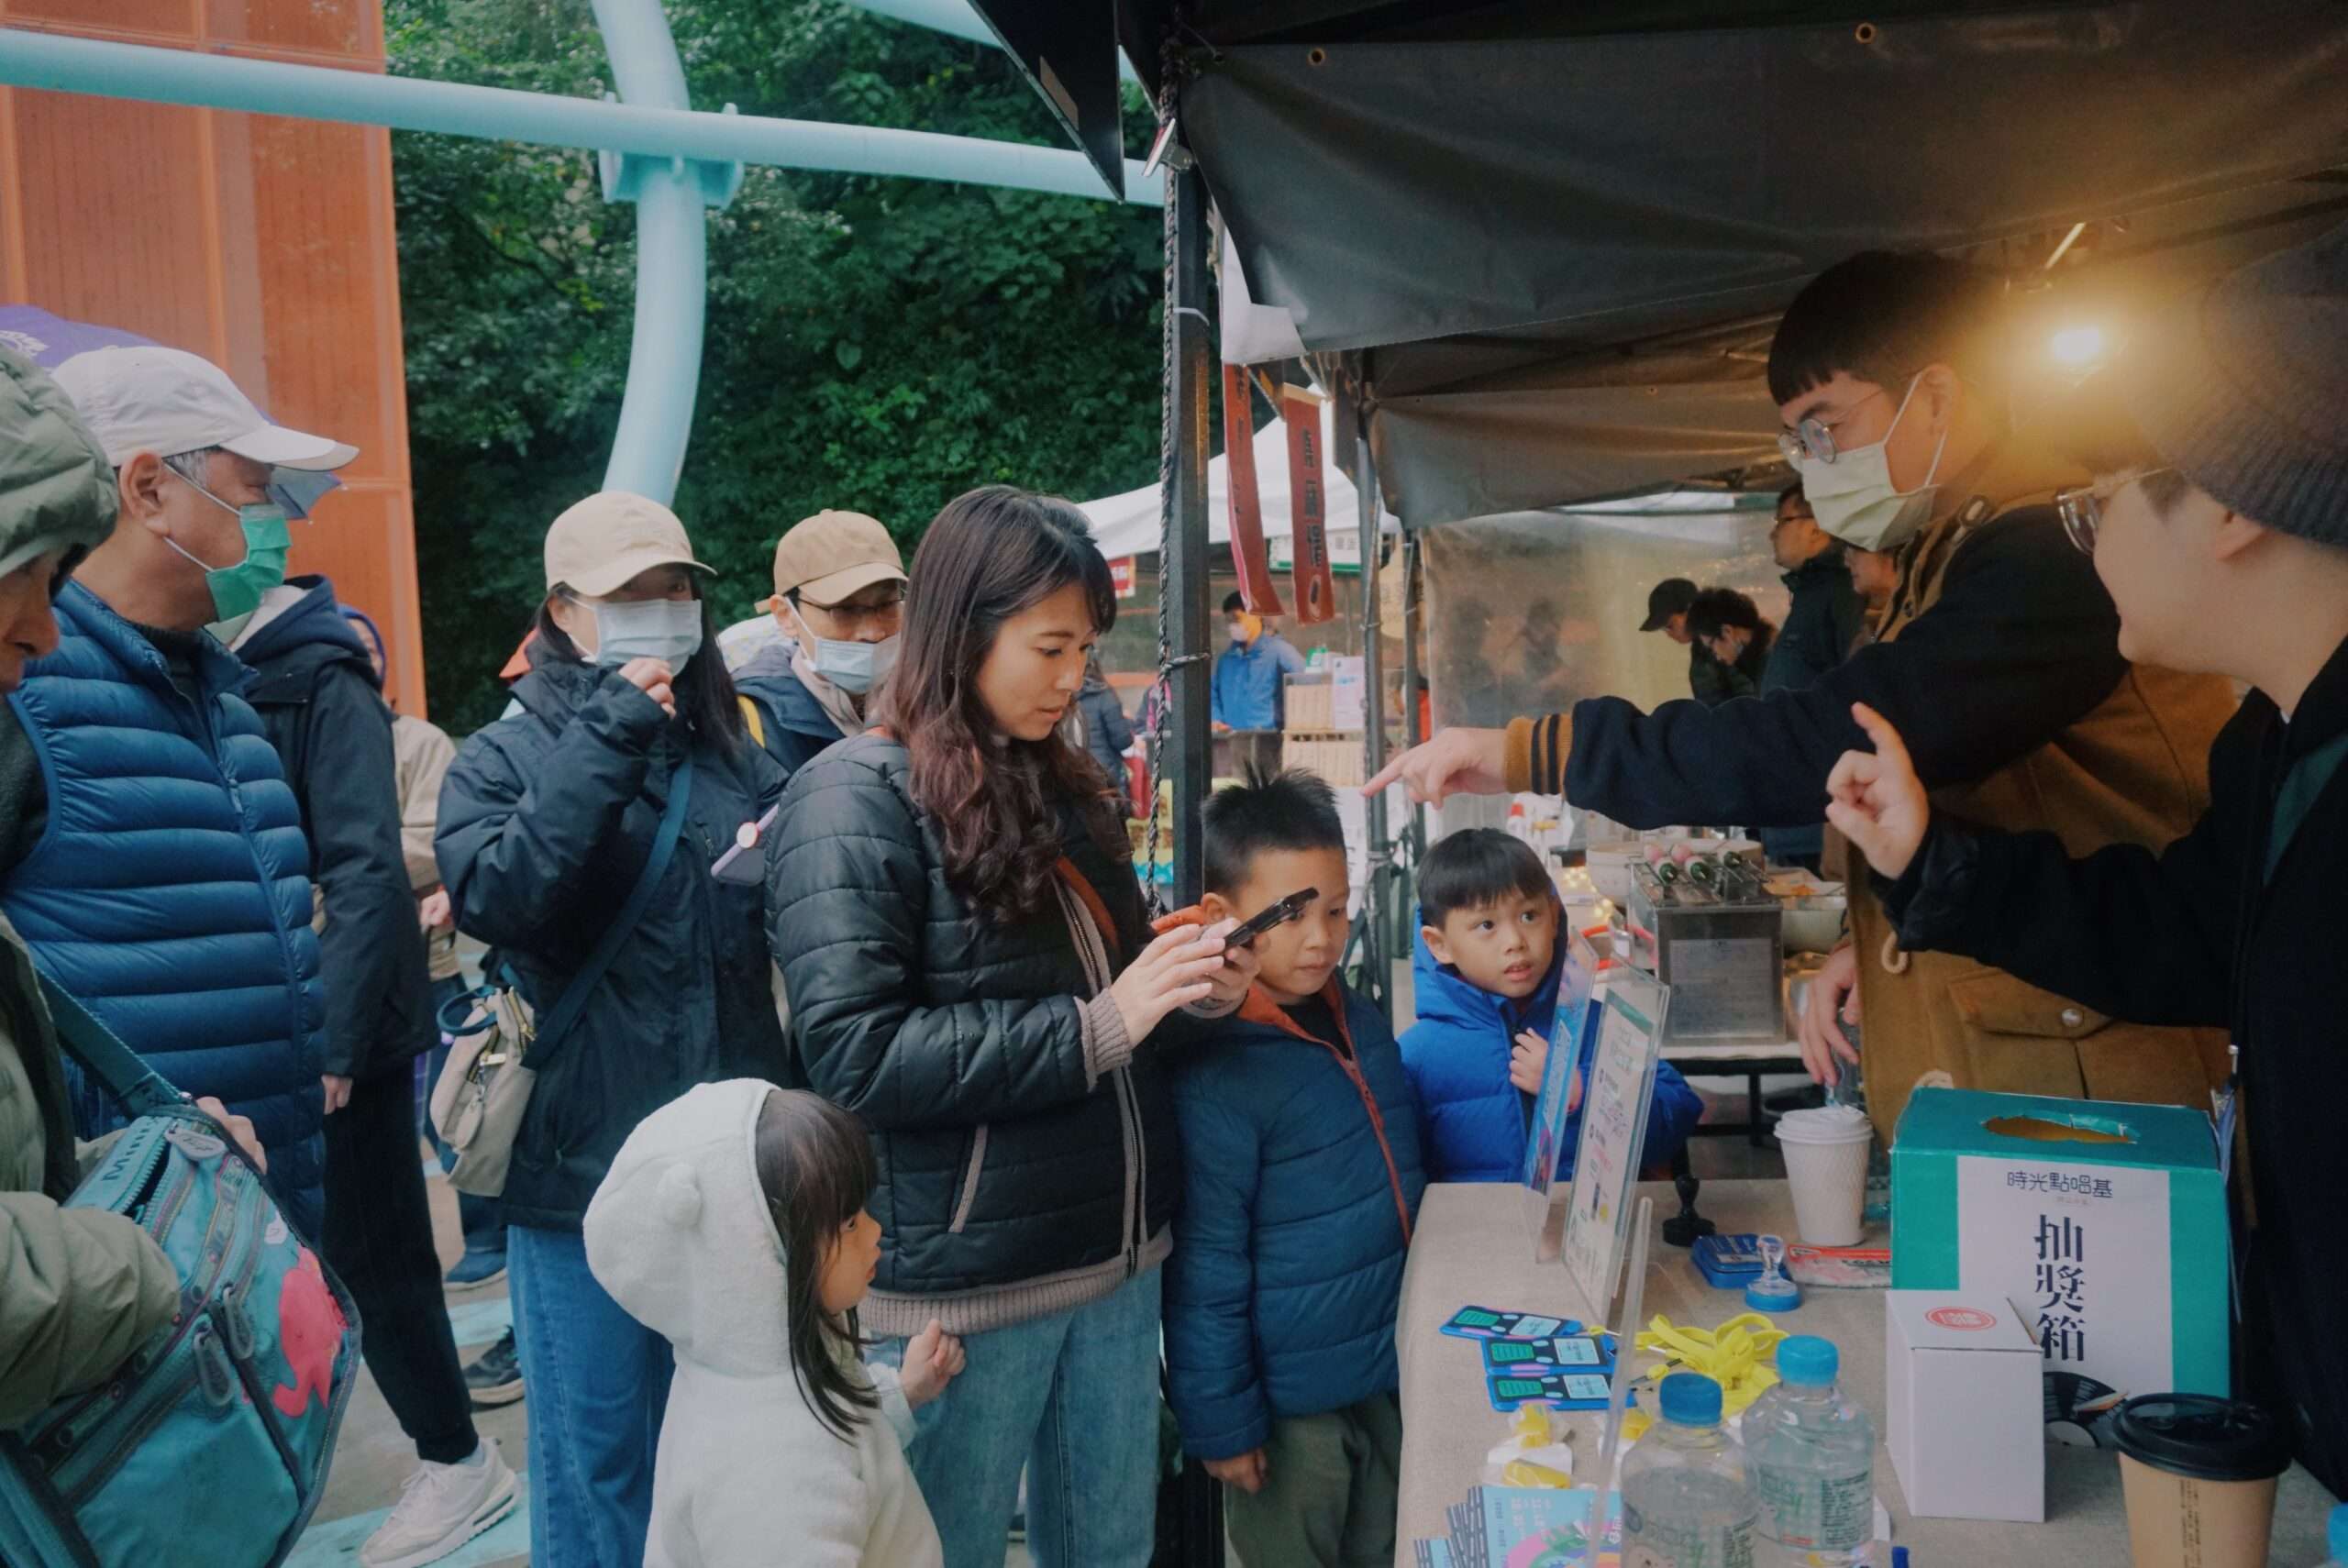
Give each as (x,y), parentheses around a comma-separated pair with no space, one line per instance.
(1127,525)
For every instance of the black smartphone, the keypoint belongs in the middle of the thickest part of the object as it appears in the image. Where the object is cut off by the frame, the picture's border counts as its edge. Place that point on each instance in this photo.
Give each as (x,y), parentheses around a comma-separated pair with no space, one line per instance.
(1245,934)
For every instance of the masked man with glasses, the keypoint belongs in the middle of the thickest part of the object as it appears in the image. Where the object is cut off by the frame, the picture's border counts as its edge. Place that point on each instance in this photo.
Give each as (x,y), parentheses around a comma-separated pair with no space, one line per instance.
(151,852)
(839,597)
(2219,519)
(1998,659)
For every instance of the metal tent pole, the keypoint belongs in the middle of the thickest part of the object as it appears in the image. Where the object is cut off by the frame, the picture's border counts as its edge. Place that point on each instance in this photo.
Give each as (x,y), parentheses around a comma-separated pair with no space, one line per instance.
(1377,972)
(1186,585)
(1183,589)
(1413,731)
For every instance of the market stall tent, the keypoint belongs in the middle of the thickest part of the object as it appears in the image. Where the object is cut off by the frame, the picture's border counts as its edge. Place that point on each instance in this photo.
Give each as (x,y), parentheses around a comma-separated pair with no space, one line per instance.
(1549,243)
(1127,525)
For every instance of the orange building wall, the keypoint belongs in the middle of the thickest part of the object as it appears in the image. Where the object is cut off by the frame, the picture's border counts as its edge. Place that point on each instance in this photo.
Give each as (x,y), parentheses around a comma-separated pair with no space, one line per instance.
(264,244)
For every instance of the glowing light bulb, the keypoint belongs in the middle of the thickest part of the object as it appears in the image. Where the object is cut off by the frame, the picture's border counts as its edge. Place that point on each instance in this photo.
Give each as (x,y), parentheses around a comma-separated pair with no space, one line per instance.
(2077,344)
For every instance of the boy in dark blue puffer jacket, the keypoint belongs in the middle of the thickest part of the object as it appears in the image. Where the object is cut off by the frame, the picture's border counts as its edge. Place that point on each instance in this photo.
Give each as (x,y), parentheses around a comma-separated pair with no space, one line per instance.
(1301,1182)
(1486,975)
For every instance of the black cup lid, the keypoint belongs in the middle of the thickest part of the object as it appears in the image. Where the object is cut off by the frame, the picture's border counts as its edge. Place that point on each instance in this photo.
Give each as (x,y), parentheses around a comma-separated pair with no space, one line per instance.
(2202,1436)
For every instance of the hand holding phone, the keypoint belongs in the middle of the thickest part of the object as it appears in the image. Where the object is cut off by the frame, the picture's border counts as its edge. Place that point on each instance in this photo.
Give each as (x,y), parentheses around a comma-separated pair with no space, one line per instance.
(1245,934)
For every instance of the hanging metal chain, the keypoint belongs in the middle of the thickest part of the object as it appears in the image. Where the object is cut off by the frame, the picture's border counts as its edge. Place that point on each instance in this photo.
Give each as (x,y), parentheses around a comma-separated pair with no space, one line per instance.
(1162,691)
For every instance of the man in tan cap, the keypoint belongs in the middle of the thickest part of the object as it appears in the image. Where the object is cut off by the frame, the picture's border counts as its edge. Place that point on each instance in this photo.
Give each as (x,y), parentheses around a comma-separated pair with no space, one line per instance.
(839,597)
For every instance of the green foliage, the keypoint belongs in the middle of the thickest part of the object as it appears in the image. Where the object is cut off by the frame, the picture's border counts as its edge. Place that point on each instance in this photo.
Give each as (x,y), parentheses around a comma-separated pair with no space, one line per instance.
(880,345)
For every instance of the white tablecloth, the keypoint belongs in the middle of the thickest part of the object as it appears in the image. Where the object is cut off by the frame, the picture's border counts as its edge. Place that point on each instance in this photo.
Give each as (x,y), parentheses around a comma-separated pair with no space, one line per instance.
(1471,1248)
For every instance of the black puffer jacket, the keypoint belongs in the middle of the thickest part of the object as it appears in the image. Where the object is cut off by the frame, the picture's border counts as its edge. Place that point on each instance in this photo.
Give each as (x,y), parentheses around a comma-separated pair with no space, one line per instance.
(546,821)
(960,1041)
(314,687)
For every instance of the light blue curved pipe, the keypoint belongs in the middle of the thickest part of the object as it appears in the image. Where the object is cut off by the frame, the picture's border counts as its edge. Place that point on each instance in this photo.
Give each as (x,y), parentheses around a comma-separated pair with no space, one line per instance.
(671,264)
(62,64)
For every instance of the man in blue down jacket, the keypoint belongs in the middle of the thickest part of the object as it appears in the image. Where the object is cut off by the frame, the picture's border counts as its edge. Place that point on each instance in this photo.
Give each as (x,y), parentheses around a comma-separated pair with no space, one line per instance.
(152,852)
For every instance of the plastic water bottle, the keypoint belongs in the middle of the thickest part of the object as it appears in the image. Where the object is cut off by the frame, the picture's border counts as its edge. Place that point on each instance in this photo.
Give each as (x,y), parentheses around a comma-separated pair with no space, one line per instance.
(1686,1500)
(1813,1455)
(2338,1538)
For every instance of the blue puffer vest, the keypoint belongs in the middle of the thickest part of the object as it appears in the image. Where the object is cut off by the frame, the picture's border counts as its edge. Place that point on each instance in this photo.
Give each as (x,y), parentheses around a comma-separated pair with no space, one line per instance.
(170,889)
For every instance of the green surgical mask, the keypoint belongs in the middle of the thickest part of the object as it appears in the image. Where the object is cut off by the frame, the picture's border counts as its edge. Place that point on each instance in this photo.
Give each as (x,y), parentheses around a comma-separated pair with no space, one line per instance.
(236,590)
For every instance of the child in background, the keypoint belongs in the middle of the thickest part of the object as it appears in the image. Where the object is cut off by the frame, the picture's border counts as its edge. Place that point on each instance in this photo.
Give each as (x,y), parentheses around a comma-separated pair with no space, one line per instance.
(1301,1182)
(1486,970)
(732,1224)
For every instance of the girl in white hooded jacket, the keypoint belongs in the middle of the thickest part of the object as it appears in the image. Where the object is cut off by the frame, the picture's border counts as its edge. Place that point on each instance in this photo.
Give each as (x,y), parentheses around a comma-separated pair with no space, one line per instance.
(732,1224)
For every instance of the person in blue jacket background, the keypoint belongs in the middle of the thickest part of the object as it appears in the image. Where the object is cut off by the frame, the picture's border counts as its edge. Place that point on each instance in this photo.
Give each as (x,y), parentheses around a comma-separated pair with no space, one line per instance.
(1251,675)
(1487,966)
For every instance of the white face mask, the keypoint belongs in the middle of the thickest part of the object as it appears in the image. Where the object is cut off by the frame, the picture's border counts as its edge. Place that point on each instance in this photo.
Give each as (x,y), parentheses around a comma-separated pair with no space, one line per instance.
(665,629)
(855,667)
(1854,498)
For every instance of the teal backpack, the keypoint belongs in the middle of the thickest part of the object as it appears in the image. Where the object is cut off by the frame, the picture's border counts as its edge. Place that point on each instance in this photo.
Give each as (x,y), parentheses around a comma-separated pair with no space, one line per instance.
(210,1447)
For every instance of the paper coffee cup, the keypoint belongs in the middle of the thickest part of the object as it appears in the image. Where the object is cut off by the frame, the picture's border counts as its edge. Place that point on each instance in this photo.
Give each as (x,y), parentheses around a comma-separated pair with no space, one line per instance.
(2198,1473)
(1826,1155)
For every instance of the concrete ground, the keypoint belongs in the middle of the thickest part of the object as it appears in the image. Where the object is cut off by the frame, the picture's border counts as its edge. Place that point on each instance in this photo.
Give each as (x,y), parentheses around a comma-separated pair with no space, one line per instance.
(373,1458)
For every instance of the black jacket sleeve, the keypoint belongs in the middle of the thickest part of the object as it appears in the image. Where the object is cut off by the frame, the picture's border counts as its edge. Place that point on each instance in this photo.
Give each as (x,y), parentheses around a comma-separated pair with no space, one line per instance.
(371,955)
(520,855)
(2022,643)
(847,903)
(2140,936)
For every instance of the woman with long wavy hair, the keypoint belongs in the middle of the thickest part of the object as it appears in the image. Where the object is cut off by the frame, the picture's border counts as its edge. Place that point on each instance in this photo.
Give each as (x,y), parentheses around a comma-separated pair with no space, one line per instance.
(952,903)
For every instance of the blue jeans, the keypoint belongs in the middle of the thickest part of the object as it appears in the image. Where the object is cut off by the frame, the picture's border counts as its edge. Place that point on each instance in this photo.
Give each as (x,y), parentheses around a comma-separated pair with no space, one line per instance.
(1073,1398)
(598,1382)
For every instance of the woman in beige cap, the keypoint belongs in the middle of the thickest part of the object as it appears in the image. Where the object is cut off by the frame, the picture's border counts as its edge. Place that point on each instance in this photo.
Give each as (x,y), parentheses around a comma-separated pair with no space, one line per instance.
(551,823)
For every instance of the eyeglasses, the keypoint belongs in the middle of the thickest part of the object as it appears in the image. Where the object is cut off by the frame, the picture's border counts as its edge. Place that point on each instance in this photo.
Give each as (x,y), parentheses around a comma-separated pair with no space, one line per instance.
(2081,507)
(887,610)
(1814,438)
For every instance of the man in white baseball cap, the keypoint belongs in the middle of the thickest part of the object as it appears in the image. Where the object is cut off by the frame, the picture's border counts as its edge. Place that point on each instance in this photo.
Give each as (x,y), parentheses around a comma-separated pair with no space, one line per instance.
(136,694)
(205,482)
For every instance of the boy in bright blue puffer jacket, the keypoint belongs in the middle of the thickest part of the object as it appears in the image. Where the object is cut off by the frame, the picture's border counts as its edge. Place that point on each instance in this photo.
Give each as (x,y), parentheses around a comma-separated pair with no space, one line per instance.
(1301,1181)
(1485,972)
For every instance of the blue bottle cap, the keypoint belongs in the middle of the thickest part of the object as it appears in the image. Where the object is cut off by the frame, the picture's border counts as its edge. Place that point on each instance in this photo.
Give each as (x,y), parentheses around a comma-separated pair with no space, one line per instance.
(2338,1533)
(1773,1293)
(1691,1399)
(1808,1362)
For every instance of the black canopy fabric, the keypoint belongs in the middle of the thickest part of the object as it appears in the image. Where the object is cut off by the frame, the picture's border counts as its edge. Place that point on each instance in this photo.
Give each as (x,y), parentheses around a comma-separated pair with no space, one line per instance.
(1550,240)
(1637,184)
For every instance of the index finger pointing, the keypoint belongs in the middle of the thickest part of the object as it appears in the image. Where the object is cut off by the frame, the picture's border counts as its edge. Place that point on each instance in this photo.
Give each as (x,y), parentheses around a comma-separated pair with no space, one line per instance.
(1386,776)
(1888,743)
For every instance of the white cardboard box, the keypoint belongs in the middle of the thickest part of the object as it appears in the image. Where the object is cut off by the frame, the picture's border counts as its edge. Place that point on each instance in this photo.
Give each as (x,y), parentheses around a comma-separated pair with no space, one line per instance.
(1965,1406)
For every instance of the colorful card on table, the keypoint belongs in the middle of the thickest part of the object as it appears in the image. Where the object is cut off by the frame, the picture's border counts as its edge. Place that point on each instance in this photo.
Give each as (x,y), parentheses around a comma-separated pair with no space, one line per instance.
(1572,1353)
(1539,1527)
(1493,1324)
(1567,1390)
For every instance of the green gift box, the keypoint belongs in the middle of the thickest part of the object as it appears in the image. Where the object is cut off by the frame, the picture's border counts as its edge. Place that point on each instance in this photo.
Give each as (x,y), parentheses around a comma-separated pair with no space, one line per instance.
(2105,1224)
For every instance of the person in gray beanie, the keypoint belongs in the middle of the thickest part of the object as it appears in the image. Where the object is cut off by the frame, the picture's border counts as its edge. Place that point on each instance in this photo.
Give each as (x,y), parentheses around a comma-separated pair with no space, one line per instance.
(2219,520)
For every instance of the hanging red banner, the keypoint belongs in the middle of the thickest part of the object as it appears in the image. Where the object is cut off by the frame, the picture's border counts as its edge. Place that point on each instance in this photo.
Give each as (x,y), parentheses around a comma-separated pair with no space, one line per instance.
(1121,576)
(1308,505)
(1246,505)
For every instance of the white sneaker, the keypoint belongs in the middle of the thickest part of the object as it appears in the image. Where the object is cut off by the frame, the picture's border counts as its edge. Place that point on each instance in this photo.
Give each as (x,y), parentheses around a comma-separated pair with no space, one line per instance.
(442,1506)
